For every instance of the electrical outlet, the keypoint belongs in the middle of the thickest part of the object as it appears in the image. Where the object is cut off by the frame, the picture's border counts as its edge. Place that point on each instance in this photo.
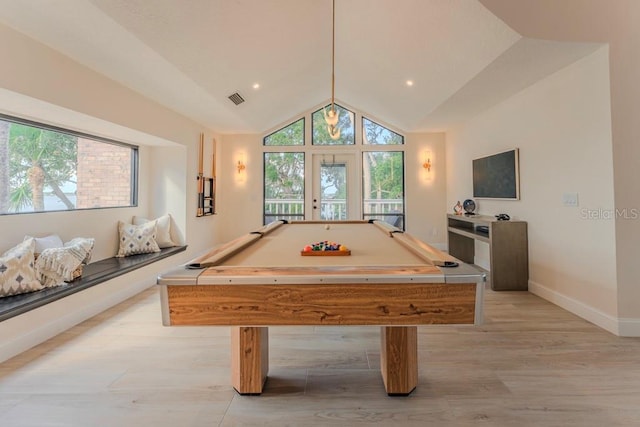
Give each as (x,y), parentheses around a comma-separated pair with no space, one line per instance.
(570,199)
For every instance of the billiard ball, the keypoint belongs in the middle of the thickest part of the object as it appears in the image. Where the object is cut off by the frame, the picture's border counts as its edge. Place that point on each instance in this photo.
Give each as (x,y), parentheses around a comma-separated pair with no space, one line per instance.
(327,226)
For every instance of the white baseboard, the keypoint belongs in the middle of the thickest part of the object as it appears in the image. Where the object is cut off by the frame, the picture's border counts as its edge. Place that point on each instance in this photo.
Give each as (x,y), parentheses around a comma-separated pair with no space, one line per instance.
(615,325)
(629,327)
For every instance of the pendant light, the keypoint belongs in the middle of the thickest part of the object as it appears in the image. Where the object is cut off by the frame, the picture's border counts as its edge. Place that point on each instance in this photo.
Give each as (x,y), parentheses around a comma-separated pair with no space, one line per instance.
(332,117)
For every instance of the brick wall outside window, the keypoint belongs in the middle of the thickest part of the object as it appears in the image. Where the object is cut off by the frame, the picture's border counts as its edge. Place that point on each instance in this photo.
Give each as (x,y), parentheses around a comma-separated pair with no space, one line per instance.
(104,175)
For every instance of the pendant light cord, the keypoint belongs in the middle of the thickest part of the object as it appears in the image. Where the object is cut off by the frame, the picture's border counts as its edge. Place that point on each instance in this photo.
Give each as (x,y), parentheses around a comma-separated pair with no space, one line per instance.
(333,57)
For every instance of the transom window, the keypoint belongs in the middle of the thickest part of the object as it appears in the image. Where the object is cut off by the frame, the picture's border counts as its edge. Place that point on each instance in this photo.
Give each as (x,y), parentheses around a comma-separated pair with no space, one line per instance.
(44,168)
(346,124)
(373,133)
(292,134)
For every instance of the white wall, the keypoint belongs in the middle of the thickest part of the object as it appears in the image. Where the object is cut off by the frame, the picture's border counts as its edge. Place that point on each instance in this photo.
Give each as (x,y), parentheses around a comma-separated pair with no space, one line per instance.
(240,202)
(426,191)
(43,85)
(562,126)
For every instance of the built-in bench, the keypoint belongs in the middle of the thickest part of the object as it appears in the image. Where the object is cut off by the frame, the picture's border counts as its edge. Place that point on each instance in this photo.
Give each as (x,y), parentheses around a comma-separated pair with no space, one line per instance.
(92,274)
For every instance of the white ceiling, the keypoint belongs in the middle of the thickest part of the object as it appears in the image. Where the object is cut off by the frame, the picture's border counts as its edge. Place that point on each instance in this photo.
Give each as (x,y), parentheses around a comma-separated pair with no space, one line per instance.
(190,55)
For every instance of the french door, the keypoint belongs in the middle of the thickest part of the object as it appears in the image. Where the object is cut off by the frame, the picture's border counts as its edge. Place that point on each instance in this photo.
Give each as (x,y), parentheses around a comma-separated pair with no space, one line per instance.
(335,187)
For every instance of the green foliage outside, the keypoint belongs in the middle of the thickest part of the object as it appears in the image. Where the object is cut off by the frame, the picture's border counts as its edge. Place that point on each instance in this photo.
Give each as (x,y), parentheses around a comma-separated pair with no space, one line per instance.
(284,176)
(373,133)
(386,175)
(290,135)
(333,182)
(37,159)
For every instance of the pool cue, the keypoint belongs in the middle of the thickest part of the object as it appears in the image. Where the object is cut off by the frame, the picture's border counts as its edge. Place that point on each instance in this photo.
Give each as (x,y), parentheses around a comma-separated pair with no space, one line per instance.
(201,176)
(213,176)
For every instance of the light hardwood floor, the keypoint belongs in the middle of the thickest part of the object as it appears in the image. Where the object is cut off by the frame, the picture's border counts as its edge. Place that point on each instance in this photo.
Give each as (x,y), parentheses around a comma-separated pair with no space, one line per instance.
(530,364)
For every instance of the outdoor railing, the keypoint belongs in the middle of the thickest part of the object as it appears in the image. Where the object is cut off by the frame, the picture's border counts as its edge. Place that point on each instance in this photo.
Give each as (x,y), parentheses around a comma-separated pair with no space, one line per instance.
(331,209)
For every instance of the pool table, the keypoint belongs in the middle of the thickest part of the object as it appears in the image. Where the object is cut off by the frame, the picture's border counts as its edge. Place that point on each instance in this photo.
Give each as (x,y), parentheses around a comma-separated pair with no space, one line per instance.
(263,278)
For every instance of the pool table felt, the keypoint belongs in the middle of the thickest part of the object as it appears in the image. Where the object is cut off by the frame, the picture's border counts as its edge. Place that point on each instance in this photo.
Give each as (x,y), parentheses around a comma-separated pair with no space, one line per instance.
(375,254)
(369,245)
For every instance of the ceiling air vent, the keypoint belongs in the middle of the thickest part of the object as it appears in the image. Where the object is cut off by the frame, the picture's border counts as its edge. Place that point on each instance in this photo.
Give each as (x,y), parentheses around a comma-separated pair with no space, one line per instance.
(236,98)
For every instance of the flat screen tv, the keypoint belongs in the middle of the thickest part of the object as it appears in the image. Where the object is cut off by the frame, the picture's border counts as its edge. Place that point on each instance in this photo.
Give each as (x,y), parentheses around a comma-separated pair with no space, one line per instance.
(497,176)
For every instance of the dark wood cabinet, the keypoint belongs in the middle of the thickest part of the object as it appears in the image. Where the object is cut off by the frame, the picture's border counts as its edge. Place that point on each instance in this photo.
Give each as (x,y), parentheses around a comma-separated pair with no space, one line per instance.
(508,248)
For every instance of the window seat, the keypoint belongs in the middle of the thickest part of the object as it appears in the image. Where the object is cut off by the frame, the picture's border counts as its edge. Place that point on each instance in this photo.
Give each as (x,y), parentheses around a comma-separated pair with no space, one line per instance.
(92,274)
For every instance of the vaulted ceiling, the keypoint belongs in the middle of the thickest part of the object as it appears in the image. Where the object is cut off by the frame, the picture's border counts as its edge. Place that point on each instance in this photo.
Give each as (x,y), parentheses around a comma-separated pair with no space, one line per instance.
(190,55)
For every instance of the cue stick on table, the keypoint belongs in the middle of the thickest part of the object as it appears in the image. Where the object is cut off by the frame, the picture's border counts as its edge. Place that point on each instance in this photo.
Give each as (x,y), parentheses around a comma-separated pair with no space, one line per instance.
(418,247)
(219,254)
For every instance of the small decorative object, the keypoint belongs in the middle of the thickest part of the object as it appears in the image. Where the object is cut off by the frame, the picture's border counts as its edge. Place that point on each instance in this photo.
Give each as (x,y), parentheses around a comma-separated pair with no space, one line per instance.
(457,209)
(325,248)
(469,207)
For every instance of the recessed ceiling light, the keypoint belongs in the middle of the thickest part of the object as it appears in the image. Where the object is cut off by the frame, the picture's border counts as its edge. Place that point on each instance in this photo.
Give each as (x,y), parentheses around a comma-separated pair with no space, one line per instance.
(409,83)
(256,85)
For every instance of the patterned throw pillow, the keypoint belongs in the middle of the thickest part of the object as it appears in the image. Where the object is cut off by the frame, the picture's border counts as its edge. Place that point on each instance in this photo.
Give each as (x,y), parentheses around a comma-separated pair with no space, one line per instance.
(163,230)
(17,274)
(55,266)
(137,239)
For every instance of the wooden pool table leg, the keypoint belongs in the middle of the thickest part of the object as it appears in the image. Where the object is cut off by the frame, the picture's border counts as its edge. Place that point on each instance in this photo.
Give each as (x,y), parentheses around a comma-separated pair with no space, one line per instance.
(249,358)
(399,358)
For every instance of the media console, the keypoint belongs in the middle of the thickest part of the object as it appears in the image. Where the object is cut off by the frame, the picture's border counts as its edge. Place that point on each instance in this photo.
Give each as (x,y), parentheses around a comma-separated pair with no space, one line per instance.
(508,248)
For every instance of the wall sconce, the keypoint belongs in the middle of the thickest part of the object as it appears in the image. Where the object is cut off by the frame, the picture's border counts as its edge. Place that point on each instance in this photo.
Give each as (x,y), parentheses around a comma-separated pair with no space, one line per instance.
(241,166)
(426,162)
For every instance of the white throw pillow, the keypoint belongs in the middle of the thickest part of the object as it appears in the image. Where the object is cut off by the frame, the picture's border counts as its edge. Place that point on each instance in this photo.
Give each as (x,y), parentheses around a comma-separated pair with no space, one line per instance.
(42,243)
(17,274)
(163,231)
(137,239)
